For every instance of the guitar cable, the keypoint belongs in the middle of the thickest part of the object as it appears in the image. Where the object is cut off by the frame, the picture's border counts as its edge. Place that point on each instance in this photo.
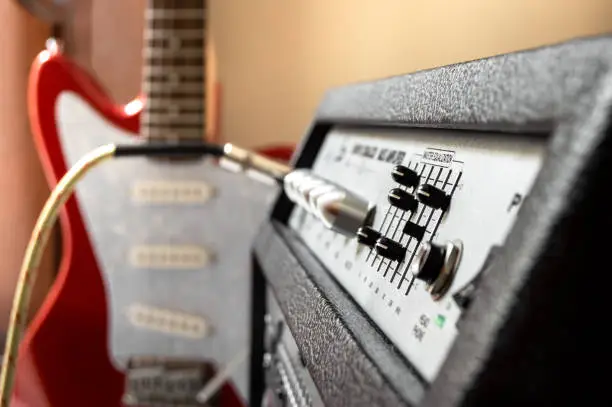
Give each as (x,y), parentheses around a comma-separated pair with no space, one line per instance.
(337,208)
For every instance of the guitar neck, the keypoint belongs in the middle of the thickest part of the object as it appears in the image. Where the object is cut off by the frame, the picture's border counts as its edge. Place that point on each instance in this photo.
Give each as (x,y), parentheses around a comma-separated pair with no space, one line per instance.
(173,73)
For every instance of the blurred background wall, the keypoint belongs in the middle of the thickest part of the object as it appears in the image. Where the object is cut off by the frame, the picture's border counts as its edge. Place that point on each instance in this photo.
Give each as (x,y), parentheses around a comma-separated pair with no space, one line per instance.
(277,57)
(22,187)
(275,60)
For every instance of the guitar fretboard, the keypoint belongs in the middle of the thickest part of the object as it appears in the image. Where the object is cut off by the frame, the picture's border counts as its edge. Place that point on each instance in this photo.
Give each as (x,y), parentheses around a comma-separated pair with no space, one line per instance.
(174,70)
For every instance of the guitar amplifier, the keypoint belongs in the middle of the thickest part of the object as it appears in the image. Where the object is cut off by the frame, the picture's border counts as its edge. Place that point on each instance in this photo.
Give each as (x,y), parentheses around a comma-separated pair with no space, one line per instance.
(480,277)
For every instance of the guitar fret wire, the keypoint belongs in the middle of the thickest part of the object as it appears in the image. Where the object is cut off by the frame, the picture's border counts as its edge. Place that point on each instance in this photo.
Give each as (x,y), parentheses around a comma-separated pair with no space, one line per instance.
(183,33)
(169,68)
(174,4)
(167,128)
(176,96)
(165,102)
(175,124)
(193,104)
(193,76)
(173,110)
(173,61)
(175,127)
(174,86)
(171,135)
(189,132)
(161,13)
(173,41)
(171,52)
(174,91)
(170,118)
(165,69)
(173,77)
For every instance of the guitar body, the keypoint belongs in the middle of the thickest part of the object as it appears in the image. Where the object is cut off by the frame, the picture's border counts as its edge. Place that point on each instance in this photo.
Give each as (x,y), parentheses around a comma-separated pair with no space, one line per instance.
(63,357)
(110,301)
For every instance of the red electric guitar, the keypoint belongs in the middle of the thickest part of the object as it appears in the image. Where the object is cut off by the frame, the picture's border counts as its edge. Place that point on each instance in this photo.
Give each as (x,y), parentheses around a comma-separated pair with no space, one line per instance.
(155,254)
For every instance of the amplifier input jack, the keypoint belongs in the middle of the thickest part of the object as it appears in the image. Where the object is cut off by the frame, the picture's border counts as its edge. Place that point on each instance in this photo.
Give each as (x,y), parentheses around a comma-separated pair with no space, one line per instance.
(436,265)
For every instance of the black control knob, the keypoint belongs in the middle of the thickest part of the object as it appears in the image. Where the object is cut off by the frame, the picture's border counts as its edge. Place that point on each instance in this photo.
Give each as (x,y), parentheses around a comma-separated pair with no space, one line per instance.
(433,197)
(403,200)
(390,249)
(405,176)
(367,236)
(429,262)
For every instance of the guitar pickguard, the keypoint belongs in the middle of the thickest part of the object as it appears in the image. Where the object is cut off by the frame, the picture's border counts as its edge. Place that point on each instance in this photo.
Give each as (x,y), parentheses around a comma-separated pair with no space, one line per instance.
(173,240)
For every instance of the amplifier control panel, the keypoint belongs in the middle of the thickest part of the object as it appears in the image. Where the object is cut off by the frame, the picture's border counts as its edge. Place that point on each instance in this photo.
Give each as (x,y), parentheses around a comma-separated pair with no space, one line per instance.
(442,200)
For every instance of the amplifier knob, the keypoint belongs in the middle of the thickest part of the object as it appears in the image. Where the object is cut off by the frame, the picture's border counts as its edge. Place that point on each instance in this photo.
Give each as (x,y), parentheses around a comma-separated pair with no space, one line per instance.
(390,249)
(436,265)
(405,176)
(367,236)
(433,197)
(403,200)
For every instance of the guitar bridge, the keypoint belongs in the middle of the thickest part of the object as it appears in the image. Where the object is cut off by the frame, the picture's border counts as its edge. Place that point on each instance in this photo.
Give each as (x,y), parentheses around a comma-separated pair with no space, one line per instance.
(166,382)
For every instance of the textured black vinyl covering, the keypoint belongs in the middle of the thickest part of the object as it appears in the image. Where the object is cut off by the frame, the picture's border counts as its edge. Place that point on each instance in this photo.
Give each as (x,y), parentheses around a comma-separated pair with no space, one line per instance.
(321,318)
(538,332)
(532,88)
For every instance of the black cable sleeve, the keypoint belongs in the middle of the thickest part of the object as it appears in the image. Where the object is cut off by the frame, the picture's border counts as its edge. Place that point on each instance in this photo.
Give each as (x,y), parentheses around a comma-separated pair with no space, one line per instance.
(169,150)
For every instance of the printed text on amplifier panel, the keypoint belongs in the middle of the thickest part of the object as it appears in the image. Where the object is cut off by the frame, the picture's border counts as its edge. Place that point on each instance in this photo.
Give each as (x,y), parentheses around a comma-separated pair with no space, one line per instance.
(443,202)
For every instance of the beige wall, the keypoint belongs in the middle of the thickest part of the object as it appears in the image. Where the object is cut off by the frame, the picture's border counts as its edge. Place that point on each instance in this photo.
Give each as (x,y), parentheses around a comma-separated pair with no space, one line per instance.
(277,57)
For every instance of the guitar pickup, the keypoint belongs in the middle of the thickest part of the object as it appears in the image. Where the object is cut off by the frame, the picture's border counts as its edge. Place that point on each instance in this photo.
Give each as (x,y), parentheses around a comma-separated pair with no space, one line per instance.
(161,381)
(171,192)
(171,322)
(184,257)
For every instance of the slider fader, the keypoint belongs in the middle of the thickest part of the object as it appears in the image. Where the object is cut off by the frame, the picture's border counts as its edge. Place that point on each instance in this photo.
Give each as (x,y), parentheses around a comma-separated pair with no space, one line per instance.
(415,209)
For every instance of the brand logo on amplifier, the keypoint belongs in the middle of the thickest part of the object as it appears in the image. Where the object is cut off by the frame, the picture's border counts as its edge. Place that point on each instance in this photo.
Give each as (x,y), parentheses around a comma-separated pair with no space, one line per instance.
(438,157)
(386,155)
